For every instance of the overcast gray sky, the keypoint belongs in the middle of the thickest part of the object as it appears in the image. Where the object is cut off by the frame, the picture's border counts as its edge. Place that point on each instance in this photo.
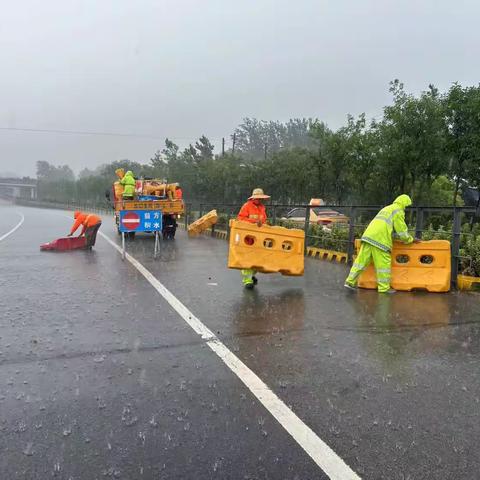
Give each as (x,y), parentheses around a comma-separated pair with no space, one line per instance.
(183,68)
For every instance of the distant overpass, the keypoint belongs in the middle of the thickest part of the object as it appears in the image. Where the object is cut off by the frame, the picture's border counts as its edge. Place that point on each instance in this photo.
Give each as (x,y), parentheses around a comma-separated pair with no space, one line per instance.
(18,188)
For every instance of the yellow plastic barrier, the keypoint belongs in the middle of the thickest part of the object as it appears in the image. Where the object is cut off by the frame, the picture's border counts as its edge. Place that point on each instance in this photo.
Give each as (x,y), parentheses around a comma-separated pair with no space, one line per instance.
(465,282)
(418,266)
(203,223)
(330,255)
(266,249)
(118,189)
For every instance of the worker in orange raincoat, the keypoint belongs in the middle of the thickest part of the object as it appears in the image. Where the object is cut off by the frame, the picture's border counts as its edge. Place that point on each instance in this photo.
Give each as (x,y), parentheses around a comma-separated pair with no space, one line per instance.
(178,192)
(253,211)
(90,224)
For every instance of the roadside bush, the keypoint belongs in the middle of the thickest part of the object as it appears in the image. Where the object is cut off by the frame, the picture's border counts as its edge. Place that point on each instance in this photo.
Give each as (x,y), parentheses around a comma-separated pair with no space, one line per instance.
(439,233)
(470,264)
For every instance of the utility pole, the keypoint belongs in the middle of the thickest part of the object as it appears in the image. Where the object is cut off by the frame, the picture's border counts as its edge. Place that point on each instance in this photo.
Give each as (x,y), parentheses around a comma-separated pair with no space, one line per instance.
(233,144)
(223,146)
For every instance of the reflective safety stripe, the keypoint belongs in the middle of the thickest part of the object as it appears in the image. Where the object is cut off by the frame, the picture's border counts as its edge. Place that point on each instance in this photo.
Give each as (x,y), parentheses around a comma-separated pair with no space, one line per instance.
(373,242)
(395,212)
(384,270)
(388,220)
(253,216)
(359,266)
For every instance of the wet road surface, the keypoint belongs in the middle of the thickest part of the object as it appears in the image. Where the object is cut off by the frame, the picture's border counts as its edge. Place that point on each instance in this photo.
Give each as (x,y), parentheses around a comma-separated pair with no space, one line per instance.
(101,378)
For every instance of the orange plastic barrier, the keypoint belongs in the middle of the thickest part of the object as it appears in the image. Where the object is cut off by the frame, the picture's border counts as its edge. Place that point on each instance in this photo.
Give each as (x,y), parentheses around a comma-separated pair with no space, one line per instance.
(418,266)
(266,249)
(118,189)
(203,223)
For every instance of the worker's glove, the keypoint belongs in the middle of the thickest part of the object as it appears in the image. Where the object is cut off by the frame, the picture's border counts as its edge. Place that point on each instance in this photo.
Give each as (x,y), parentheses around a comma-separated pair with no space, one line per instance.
(259,223)
(417,240)
(69,235)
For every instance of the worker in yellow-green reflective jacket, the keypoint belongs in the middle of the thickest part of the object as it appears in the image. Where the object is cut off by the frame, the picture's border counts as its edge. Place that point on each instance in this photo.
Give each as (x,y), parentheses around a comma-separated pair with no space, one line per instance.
(128,182)
(377,241)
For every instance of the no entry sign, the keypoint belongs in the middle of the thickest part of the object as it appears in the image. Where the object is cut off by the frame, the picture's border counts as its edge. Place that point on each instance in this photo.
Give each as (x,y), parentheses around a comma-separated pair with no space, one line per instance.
(130,221)
(140,221)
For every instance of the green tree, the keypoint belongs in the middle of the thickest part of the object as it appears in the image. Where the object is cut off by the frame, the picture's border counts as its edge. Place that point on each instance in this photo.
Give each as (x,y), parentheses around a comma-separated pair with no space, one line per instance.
(412,139)
(462,116)
(204,149)
(51,173)
(253,135)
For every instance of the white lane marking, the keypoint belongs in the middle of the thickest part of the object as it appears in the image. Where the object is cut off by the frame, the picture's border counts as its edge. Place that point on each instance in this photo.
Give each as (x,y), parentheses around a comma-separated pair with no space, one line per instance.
(315,447)
(17,226)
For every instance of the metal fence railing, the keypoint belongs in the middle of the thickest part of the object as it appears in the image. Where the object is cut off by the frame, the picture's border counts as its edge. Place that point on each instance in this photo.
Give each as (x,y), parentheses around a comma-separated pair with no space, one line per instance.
(91,207)
(358,217)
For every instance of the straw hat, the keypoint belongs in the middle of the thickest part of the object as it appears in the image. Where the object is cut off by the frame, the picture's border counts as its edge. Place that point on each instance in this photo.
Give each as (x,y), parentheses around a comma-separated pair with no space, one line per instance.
(258,194)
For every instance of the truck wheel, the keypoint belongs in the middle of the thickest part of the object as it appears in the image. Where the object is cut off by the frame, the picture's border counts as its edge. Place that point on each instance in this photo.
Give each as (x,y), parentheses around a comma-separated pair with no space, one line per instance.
(131,235)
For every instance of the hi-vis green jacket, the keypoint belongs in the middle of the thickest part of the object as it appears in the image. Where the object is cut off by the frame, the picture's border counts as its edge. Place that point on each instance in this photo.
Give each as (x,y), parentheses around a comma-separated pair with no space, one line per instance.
(128,182)
(390,221)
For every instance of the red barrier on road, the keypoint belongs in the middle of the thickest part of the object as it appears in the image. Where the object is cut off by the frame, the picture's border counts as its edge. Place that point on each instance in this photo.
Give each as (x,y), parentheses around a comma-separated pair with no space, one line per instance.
(64,244)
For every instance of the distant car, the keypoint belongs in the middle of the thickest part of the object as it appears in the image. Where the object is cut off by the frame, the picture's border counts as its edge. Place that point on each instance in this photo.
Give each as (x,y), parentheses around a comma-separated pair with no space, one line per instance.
(319,215)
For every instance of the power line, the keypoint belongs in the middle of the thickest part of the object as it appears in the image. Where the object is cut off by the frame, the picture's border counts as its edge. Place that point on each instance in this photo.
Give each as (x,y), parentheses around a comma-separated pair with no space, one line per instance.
(104,134)
(79,132)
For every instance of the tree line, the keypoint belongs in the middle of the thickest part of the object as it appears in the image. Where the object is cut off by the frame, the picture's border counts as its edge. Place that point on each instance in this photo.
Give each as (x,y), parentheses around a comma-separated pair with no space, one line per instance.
(426,145)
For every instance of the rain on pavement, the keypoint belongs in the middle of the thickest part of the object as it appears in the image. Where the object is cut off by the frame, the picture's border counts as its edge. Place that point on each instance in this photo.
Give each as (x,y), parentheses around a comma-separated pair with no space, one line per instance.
(101,378)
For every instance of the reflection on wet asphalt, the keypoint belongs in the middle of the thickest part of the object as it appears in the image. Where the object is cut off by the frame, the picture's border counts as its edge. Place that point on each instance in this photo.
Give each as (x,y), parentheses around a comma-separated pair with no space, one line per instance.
(100,378)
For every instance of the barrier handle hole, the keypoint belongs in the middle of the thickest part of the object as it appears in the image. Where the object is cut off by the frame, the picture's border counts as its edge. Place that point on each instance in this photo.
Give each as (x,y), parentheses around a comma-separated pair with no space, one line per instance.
(402,259)
(286,245)
(249,240)
(426,259)
(268,243)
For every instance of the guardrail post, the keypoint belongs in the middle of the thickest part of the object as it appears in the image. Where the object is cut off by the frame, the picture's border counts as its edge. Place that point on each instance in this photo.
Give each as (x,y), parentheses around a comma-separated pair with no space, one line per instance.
(456,231)
(186,217)
(419,226)
(200,213)
(274,215)
(307,227)
(351,236)
(229,215)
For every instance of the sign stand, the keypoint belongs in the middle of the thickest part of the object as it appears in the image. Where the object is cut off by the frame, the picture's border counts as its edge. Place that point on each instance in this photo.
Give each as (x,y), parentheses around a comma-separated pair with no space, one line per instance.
(133,221)
(156,250)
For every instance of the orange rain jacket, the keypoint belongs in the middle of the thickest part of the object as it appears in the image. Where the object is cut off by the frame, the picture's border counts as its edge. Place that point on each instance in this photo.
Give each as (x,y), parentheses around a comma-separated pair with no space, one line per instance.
(84,219)
(250,212)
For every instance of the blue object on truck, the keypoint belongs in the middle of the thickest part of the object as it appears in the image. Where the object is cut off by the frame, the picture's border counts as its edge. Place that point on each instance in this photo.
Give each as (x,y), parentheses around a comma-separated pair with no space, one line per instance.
(148,197)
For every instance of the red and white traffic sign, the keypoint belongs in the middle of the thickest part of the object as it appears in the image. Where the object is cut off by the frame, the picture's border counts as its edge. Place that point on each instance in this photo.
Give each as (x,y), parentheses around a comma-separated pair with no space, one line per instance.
(130,221)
